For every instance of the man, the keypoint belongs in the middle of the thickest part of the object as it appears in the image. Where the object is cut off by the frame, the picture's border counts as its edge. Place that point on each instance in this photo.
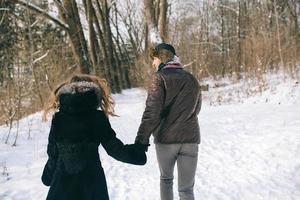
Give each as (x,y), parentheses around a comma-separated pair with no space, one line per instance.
(172,106)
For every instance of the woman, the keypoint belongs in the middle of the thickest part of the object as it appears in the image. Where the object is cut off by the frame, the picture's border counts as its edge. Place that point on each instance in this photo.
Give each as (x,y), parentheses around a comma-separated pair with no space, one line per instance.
(73,170)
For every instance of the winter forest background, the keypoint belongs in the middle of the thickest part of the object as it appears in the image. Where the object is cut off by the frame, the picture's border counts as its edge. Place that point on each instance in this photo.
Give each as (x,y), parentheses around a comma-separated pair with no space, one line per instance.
(246,51)
(45,41)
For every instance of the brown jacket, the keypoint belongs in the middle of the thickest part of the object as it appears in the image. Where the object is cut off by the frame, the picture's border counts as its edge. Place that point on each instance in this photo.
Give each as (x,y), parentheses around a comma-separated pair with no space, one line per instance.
(172,106)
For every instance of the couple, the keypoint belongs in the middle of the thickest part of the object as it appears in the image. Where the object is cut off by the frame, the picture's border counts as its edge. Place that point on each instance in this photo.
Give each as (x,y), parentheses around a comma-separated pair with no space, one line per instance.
(73,170)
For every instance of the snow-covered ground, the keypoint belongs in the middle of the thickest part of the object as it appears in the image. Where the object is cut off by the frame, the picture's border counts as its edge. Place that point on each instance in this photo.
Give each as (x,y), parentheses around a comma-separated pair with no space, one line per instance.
(249,150)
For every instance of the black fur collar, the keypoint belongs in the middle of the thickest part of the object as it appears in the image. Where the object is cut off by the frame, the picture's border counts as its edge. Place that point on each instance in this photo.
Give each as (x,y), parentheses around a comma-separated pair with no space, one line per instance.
(79,97)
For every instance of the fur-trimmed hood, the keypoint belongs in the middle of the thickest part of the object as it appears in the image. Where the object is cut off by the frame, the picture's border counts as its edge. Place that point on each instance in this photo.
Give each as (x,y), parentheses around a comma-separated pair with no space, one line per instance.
(79,97)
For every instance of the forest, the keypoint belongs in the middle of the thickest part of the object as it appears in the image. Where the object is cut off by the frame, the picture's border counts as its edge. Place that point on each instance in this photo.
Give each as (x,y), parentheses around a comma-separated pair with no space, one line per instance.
(243,118)
(43,42)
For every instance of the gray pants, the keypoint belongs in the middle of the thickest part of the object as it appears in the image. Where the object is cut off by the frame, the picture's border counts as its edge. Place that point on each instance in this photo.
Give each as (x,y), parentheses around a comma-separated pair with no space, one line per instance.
(186,156)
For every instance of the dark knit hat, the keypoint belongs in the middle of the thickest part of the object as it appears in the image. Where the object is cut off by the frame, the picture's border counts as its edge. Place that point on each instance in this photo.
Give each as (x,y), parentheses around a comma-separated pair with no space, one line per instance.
(165,46)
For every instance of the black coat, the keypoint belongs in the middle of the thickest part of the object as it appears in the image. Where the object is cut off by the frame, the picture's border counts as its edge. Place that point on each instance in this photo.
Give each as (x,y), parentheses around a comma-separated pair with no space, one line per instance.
(73,170)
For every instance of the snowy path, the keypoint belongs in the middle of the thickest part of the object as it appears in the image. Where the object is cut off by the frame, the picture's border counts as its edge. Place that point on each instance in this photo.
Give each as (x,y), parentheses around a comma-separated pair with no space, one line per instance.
(248,152)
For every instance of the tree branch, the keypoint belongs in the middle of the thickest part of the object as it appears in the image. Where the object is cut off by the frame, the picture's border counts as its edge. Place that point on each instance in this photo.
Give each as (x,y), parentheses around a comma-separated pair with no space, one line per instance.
(40,58)
(43,13)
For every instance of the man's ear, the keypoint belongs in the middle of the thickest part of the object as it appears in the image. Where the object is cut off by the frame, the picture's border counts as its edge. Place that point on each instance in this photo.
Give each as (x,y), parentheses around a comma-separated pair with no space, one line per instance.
(156,62)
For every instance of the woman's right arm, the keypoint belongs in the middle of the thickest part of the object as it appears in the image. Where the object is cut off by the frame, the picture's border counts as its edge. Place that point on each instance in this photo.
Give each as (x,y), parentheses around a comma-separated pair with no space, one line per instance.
(52,152)
(115,147)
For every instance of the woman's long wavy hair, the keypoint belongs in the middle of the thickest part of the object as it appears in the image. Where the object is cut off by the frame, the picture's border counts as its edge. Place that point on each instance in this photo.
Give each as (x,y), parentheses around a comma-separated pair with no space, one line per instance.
(106,105)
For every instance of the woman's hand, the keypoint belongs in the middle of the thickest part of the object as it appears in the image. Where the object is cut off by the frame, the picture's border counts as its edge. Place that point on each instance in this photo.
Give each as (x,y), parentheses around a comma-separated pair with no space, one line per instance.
(141,147)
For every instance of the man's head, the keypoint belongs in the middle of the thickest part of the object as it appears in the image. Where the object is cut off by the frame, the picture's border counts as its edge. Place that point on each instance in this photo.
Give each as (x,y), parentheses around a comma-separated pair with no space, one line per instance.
(162,53)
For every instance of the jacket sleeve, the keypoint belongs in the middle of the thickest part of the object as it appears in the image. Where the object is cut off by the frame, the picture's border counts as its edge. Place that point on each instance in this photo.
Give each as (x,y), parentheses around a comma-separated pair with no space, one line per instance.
(199,104)
(116,149)
(52,152)
(152,114)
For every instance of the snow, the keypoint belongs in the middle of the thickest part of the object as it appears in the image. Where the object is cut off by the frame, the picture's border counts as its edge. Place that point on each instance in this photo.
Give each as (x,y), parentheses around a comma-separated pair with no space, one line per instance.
(250,148)
(270,87)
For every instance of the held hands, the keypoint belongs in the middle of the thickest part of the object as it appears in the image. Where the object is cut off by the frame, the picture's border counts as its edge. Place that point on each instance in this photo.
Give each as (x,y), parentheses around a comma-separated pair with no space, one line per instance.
(137,153)
(141,144)
(141,147)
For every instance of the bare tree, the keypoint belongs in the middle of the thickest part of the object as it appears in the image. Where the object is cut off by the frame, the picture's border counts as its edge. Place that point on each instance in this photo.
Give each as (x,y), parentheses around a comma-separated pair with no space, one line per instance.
(163,25)
(152,22)
(68,11)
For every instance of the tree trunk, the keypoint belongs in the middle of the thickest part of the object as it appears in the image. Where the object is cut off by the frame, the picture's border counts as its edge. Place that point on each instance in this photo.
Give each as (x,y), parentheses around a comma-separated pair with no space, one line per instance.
(279,41)
(151,22)
(223,39)
(239,53)
(93,42)
(69,13)
(108,40)
(163,20)
(295,16)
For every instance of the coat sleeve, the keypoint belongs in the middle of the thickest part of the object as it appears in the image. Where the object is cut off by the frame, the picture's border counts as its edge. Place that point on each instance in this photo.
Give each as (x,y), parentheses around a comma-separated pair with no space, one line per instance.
(52,152)
(154,106)
(199,104)
(115,147)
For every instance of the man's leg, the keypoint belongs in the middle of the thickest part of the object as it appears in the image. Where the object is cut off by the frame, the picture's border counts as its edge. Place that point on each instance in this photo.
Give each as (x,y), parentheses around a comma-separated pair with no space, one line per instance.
(187,164)
(166,157)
